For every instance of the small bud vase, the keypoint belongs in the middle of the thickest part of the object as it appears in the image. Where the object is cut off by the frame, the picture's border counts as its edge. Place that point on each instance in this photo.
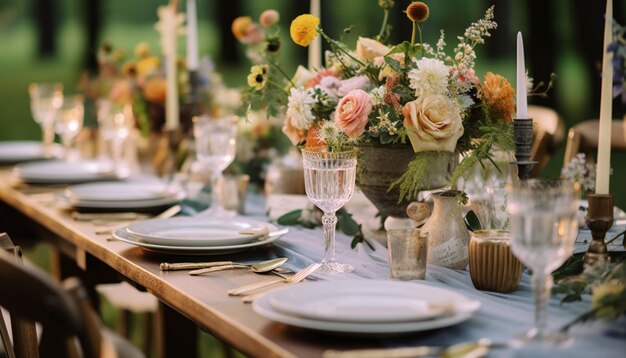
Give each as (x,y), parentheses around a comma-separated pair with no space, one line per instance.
(448,237)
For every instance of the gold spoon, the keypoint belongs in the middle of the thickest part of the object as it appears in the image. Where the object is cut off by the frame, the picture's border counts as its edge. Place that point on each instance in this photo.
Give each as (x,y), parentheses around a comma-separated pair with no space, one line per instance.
(264,266)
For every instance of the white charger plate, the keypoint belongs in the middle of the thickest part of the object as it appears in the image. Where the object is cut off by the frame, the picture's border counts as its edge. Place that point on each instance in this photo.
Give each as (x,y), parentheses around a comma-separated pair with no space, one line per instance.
(125,236)
(120,192)
(61,172)
(23,150)
(359,301)
(189,231)
(263,306)
(126,205)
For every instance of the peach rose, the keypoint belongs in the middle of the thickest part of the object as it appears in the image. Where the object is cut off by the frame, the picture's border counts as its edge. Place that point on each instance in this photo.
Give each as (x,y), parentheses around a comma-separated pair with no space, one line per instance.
(121,91)
(433,123)
(269,18)
(154,90)
(352,111)
(295,135)
(368,49)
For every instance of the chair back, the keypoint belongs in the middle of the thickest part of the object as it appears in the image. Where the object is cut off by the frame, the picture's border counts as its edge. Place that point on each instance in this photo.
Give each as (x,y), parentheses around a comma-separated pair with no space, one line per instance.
(30,294)
(583,138)
(549,131)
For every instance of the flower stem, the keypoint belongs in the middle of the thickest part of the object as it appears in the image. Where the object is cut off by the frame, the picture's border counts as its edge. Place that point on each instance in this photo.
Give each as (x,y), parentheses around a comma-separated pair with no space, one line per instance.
(384,25)
(338,47)
(273,84)
(271,62)
(419,28)
(413,33)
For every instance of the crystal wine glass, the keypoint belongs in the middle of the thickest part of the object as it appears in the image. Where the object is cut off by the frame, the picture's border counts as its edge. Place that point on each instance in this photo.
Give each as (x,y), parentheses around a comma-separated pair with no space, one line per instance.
(45,101)
(329,180)
(215,148)
(544,226)
(116,123)
(69,121)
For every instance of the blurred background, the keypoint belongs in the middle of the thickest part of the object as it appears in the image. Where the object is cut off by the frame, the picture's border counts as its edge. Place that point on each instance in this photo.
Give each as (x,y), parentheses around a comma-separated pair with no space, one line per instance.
(57,40)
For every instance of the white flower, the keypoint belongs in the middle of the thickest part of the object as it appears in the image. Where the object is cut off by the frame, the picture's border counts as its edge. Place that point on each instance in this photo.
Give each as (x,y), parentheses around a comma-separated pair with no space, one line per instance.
(377,96)
(430,77)
(299,108)
(465,101)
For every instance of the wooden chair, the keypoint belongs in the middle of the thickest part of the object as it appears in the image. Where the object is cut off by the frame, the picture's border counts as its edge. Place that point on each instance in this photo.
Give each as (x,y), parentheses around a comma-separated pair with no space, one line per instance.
(583,138)
(70,326)
(549,131)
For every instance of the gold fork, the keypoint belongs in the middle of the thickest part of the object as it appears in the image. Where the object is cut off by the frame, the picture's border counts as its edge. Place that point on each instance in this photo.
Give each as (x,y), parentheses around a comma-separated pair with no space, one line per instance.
(301,275)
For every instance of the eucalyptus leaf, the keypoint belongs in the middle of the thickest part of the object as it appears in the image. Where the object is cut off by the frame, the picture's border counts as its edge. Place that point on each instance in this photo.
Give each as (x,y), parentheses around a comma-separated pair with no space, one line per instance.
(291,218)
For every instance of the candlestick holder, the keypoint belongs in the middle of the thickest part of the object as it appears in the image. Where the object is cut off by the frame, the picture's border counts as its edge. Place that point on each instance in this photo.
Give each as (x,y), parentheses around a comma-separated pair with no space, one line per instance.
(599,220)
(523,139)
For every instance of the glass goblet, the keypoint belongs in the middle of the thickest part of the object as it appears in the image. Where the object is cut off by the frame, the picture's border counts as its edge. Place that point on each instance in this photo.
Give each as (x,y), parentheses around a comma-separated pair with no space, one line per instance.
(329,180)
(45,101)
(115,123)
(215,141)
(544,225)
(69,121)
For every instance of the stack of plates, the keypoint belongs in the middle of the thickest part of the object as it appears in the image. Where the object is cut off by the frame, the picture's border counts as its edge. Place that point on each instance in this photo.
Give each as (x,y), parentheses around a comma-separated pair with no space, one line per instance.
(365,306)
(198,236)
(12,152)
(123,195)
(61,172)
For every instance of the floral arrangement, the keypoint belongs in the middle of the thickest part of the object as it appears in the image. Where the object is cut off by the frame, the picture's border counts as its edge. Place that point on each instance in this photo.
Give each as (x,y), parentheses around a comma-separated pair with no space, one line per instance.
(140,80)
(384,94)
(581,171)
(618,47)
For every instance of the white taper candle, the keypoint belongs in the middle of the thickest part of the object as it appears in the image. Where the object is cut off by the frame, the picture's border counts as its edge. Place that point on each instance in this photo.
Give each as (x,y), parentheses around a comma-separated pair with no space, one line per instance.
(606,99)
(522,100)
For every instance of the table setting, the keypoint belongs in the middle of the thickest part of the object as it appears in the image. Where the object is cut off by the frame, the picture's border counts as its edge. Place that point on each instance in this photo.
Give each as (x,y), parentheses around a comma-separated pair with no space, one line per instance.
(461,265)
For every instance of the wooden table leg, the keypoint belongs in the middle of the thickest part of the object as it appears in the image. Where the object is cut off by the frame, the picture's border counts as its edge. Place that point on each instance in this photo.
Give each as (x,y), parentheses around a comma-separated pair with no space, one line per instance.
(177,336)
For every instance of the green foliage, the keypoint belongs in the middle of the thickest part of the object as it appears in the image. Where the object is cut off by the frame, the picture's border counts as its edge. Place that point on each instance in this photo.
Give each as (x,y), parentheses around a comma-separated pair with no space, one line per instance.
(472,222)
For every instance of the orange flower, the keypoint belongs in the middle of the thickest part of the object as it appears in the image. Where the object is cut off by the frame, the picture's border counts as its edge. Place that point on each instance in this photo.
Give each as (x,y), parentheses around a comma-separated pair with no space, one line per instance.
(154,90)
(313,139)
(240,26)
(498,93)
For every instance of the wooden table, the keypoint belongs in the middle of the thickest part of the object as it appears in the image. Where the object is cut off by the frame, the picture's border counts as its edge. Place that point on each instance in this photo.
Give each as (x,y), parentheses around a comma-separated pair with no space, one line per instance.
(203,300)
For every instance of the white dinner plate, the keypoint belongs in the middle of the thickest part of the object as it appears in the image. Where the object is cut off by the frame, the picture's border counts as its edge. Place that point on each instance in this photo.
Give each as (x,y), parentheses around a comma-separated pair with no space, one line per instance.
(263,306)
(120,191)
(189,231)
(125,236)
(359,301)
(17,151)
(126,205)
(61,172)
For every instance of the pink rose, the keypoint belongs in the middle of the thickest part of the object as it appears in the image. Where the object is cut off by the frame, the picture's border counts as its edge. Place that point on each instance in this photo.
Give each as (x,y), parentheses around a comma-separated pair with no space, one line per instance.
(354,83)
(352,111)
(269,18)
(254,34)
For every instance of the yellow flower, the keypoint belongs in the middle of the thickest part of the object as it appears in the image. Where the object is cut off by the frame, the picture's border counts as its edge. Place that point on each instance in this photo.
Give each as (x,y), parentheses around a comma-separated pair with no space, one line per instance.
(142,50)
(417,11)
(498,94)
(258,76)
(240,26)
(304,29)
(147,65)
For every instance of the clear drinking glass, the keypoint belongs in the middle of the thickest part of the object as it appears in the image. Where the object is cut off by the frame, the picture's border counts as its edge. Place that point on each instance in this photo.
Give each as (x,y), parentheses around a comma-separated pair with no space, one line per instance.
(544,226)
(216,148)
(69,121)
(45,101)
(329,180)
(115,123)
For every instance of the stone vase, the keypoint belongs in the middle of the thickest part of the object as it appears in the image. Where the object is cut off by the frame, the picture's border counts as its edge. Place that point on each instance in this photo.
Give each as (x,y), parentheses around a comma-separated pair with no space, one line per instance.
(448,237)
(382,165)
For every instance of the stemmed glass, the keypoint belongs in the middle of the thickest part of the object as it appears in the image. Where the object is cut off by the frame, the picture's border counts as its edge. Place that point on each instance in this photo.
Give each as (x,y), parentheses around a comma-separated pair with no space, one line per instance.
(215,148)
(69,121)
(329,180)
(45,101)
(116,123)
(544,226)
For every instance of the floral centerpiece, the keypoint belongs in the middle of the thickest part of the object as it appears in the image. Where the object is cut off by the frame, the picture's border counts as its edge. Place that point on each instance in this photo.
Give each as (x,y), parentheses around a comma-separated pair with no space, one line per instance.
(413,96)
